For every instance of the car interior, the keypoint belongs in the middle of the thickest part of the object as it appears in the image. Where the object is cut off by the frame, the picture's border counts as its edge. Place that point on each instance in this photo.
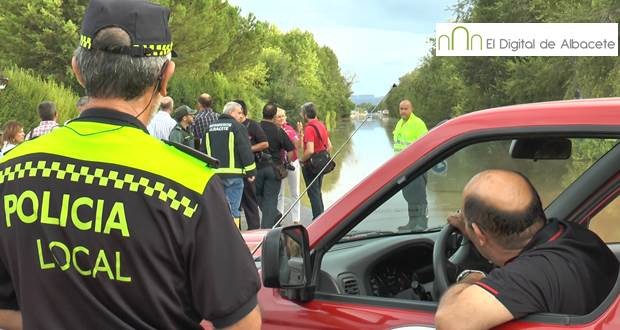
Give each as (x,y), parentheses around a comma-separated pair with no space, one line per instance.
(377,260)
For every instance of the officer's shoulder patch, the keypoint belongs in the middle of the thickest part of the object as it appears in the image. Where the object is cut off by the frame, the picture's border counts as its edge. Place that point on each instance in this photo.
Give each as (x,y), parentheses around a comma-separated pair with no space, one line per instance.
(210,161)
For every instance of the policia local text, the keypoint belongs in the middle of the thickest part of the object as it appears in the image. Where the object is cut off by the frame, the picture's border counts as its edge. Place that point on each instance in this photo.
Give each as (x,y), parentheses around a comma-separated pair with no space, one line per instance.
(83,213)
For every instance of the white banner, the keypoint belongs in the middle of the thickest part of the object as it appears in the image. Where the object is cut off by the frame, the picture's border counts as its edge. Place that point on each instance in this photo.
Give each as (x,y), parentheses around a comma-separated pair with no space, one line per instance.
(526,39)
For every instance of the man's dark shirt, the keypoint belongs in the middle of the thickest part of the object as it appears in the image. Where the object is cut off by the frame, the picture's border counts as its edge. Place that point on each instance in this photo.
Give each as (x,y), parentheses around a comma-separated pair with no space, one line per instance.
(93,235)
(255,132)
(565,269)
(278,141)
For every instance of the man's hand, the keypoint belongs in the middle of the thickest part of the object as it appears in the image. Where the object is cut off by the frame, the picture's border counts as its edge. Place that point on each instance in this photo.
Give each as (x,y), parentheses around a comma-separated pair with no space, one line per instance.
(300,127)
(251,178)
(457,220)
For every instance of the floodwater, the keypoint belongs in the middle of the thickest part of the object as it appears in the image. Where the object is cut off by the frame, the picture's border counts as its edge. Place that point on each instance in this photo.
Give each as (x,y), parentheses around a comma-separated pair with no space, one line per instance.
(371,146)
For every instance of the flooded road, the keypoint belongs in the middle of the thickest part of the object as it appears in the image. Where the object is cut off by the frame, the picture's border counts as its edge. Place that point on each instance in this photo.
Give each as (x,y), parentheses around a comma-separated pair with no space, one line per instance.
(371,146)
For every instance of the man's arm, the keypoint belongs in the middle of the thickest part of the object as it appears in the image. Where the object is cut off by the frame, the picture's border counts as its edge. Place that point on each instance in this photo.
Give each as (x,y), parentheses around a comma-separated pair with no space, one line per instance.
(251,321)
(308,151)
(463,300)
(10,319)
(259,136)
(223,276)
(260,146)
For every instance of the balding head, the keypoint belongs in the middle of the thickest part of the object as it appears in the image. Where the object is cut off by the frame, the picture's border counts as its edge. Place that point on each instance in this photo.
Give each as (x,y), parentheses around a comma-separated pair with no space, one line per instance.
(405,108)
(167,104)
(505,205)
(205,101)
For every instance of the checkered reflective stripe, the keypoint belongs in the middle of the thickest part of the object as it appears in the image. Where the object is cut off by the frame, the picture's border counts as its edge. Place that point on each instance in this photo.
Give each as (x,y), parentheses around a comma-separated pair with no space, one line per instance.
(100,177)
(155,49)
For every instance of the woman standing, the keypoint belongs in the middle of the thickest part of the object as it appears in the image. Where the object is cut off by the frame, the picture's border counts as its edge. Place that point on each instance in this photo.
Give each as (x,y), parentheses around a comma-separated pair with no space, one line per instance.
(293,177)
(13,134)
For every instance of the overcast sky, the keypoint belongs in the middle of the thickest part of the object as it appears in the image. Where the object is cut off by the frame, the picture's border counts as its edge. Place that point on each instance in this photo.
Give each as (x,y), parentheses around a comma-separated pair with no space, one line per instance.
(376,41)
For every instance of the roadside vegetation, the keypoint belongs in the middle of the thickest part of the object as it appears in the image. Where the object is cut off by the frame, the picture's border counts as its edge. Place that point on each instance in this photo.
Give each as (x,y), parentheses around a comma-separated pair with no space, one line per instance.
(445,87)
(220,52)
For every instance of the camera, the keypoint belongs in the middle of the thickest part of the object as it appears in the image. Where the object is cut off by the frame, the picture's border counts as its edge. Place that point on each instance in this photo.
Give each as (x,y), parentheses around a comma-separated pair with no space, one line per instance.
(262,157)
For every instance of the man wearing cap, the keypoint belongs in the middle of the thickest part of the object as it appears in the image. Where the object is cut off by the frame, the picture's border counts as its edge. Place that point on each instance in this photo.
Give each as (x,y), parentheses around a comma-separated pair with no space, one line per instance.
(227,140)
(181,133)
(104,226)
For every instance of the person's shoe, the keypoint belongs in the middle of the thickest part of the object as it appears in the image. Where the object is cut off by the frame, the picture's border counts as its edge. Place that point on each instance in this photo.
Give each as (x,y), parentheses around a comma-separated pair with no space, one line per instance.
(410,227)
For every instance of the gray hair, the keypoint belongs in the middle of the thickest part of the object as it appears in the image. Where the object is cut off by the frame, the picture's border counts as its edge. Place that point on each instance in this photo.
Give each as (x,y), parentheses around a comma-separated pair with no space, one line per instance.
(309,110)
(110,75)
(230,107)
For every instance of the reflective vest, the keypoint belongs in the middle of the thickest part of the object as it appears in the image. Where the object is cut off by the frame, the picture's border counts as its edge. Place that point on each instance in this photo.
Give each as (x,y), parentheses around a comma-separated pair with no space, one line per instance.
(406,132)
(92,210)
(229,142)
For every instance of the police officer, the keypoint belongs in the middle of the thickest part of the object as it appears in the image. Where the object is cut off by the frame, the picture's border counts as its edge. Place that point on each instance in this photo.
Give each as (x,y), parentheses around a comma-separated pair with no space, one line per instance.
(227,140)
(408,129)
(181,132)
(103,224)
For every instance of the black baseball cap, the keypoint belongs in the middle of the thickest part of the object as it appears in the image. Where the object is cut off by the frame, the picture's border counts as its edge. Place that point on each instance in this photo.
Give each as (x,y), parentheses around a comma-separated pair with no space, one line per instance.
(145,22)
(183,111)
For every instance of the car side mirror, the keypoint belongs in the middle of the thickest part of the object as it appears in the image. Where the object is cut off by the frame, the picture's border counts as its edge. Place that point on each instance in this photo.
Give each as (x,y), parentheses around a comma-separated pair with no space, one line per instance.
(285,258)
(541,148)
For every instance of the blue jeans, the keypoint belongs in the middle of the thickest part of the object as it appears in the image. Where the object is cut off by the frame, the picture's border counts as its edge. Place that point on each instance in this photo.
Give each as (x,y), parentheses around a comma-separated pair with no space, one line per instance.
(233,187)
(314,192)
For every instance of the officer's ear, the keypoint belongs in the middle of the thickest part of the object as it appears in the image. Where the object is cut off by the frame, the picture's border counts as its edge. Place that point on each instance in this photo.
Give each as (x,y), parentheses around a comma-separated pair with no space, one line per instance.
(76,71)
(166,74)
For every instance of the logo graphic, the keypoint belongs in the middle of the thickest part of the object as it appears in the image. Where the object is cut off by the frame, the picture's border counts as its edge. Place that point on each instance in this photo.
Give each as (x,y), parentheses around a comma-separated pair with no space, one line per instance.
(462,35)
(526,39)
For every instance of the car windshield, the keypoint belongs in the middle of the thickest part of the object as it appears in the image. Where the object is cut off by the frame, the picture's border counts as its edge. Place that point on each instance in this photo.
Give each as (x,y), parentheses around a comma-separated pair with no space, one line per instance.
(445,181)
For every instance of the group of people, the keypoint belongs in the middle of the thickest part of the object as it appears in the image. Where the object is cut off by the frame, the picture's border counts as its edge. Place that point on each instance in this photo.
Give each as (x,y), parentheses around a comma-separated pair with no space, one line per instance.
(257,160)
(104,225)
(13,131)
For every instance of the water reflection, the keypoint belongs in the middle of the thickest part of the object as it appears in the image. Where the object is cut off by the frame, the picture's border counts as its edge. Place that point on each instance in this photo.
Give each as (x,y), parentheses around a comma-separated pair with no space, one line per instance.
(369,148)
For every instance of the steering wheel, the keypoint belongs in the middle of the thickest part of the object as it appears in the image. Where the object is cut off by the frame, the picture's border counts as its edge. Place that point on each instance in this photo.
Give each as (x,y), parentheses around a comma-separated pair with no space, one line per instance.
(446,269)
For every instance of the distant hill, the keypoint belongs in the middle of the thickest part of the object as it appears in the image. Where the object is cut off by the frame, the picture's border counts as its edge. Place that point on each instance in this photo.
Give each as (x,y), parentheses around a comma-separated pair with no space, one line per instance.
(365,98)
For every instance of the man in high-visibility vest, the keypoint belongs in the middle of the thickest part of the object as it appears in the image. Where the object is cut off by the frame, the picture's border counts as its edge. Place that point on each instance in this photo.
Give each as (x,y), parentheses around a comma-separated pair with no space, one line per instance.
(105,226)
(408,129)
(227,140)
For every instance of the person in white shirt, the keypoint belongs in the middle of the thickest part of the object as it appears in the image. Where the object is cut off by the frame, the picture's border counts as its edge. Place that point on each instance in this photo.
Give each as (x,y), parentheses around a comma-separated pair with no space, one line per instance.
(162,124)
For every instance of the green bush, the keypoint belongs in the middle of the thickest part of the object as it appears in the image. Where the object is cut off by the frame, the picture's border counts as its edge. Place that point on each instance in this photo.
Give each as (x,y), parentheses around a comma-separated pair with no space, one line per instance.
(185,89)
(25,91)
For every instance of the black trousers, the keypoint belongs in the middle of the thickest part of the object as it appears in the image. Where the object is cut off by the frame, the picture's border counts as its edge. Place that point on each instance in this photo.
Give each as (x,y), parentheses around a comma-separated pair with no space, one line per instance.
(249,204)
(267,190)
(314,192)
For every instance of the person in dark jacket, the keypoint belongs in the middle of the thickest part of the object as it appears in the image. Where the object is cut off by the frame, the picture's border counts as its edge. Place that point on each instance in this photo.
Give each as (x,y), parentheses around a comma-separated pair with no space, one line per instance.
(181,133)
(267,184)
(258,142)
(227,140)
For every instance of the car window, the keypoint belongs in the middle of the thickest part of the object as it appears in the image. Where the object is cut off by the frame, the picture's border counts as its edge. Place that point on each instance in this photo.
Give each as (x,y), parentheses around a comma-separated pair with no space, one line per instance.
(605,223)
(425,202)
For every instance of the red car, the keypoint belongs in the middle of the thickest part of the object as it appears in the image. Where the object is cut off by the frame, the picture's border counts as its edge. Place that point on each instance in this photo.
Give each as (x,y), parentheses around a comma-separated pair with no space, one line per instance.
(359,266)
